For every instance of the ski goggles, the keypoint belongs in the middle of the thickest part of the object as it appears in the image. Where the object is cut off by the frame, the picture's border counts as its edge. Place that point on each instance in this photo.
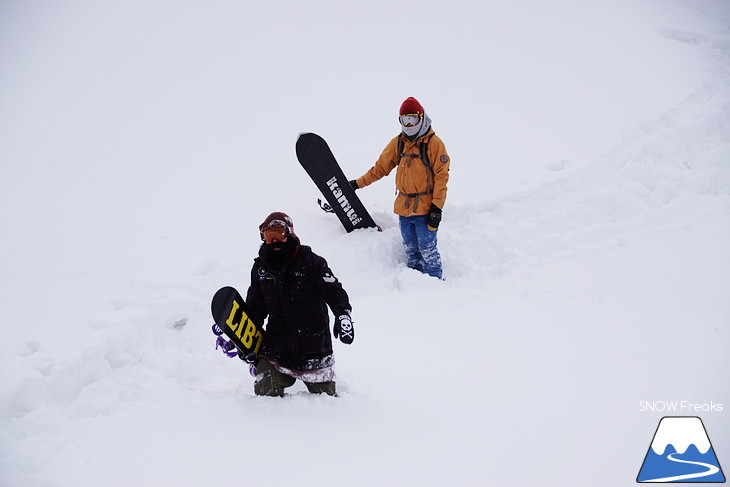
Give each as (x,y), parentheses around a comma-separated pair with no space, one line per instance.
(274,234)
(410,119)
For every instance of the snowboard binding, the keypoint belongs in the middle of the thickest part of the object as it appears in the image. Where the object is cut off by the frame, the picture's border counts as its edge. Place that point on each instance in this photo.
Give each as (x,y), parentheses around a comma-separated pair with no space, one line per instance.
(325,206)
(230,350)
(227,346)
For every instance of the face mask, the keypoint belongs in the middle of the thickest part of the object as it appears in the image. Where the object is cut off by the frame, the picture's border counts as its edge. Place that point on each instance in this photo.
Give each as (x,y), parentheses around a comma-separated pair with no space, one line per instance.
(279,252)
(413,129)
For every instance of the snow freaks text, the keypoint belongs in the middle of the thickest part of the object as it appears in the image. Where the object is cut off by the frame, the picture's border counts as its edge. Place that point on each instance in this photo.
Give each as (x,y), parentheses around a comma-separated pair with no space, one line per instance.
(680,407)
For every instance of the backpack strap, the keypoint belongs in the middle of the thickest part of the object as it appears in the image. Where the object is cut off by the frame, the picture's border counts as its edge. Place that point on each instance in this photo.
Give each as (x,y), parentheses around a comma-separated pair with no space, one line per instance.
(423,156)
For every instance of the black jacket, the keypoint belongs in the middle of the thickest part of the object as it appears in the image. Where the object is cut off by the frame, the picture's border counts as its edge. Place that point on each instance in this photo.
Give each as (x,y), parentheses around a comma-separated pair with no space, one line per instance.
(294,297)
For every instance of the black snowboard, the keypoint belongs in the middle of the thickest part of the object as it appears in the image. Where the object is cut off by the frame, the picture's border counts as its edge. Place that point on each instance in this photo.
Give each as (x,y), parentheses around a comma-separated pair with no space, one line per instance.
(229,313)
(317,159)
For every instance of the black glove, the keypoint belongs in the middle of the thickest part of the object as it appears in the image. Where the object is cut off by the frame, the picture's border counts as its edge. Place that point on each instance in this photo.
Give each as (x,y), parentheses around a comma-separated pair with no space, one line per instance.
(433,218)
(344,329)
(354,185)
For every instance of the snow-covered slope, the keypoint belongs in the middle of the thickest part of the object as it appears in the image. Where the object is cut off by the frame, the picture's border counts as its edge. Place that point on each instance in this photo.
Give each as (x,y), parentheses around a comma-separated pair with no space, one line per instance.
(585,240)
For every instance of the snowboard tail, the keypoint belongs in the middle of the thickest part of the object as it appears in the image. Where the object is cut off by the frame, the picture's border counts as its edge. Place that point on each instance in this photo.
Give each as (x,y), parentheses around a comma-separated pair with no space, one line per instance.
(317,159)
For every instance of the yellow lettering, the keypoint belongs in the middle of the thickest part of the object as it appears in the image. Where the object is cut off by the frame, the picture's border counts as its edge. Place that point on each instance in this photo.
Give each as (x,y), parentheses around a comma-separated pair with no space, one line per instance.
(229,321)
(247,337)
(236,327)
(244,329)
(259,338)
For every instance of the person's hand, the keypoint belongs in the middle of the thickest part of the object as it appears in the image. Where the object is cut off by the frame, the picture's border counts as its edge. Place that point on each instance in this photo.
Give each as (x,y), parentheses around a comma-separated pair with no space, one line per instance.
(344,329)
(433,218)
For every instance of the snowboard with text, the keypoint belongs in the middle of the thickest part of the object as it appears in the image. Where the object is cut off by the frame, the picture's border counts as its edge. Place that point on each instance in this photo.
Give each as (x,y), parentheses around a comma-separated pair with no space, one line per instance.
(317,159)
(230,314)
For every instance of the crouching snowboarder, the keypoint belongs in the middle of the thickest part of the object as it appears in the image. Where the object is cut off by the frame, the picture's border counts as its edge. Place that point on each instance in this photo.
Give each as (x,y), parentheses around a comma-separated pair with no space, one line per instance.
(291,286)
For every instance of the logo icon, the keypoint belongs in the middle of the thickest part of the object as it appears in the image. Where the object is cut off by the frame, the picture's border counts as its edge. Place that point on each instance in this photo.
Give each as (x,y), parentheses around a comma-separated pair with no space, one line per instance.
(681,452)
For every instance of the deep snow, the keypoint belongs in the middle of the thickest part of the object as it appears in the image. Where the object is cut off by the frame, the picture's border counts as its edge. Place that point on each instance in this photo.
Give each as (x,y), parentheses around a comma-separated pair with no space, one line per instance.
(585,238)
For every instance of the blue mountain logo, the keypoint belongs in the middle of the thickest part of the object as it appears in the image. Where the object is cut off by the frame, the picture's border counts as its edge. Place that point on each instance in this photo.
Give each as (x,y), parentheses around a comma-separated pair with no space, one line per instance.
(681,452)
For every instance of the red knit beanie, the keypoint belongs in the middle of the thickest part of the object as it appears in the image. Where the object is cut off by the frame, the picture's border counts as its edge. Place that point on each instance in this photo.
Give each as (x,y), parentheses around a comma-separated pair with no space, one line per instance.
(411,105)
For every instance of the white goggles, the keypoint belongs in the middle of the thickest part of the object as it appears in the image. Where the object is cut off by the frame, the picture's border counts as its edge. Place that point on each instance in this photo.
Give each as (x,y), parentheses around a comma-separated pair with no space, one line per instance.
(410,119)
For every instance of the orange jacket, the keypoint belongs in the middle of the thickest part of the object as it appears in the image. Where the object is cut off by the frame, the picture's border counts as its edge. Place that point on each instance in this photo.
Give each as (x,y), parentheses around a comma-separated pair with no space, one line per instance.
(418,186)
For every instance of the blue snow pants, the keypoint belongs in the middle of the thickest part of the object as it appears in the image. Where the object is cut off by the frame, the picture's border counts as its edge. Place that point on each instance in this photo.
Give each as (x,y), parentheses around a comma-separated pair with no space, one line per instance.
(420,245)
